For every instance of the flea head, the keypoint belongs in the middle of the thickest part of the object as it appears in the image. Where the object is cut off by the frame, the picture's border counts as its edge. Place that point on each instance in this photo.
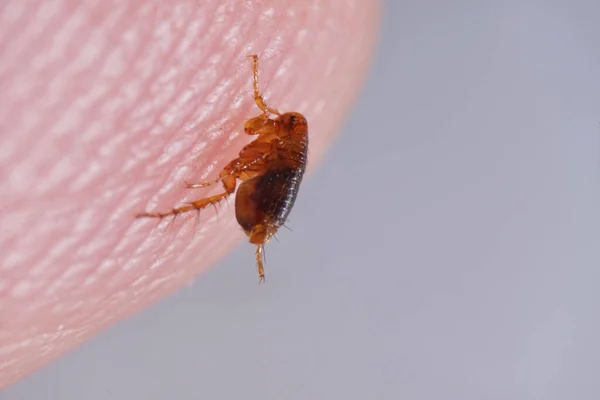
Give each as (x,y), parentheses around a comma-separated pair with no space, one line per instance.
(294,123)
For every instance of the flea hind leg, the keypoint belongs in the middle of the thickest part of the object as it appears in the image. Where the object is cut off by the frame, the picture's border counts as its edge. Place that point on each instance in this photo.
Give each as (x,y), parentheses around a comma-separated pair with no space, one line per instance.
(259,263)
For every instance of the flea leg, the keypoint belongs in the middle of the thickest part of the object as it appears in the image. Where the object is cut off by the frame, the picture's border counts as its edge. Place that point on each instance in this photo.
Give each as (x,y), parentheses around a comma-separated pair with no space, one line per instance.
(259,263)
(229,183)
(251,154)
(201,184)
(258,99)
(261,125)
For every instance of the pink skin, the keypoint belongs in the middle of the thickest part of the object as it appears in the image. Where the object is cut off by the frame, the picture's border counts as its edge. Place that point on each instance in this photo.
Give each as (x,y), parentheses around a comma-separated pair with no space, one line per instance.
(106,107)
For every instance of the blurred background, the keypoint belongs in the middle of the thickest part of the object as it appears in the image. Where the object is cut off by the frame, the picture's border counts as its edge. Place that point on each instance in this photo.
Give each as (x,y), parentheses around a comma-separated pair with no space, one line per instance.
(447,247)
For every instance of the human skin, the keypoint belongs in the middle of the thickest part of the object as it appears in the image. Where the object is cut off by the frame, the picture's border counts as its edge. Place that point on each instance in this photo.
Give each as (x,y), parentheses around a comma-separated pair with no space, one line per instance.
(106,107)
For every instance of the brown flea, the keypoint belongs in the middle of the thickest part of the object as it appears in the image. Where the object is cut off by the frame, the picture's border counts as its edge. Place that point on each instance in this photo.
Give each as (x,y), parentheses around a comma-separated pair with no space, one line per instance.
(270,169)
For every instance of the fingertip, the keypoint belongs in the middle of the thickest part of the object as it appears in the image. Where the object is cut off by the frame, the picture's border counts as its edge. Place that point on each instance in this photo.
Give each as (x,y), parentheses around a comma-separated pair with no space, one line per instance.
(161,97)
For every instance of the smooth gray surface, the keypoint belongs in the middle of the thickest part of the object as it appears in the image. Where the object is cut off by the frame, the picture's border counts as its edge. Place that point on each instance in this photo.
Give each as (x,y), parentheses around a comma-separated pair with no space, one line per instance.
(447,248)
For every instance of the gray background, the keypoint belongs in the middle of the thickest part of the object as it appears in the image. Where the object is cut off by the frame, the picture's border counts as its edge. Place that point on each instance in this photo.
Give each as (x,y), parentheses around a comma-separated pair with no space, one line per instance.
(446,249)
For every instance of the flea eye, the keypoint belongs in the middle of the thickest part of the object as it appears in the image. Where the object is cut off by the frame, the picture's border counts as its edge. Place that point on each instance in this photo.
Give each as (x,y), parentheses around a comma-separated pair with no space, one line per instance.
(293,119)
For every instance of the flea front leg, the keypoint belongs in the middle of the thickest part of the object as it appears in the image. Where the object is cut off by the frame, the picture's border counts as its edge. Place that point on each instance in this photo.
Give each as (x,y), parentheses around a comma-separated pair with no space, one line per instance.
(258,98)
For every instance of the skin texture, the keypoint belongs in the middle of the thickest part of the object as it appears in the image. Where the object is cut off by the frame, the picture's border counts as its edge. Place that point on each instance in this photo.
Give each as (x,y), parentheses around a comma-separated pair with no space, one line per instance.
(106,107)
